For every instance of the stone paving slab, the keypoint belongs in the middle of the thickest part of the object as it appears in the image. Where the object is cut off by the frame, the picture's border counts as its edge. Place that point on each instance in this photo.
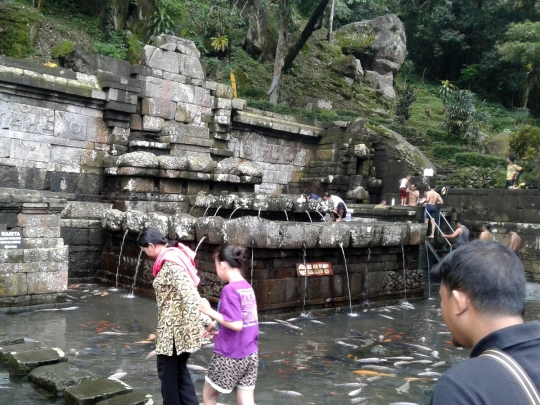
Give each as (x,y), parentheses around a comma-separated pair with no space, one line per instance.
(10,340)
(57,377)
(92,392)
(24,362)
(21,347)
(133,398)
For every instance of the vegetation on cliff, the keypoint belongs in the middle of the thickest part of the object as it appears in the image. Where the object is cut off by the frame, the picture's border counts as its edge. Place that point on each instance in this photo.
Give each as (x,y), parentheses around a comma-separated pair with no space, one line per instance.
(458,46)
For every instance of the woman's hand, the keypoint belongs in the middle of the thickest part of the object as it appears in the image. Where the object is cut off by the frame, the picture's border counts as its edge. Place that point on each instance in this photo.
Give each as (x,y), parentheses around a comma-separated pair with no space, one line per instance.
(209,331)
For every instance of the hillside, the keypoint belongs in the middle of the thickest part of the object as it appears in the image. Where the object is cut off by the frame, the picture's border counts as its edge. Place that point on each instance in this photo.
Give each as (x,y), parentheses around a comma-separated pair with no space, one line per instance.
(460,161)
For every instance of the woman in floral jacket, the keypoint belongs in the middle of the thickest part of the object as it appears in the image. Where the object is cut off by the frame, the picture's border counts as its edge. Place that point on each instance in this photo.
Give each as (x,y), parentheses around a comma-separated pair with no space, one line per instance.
(180,323)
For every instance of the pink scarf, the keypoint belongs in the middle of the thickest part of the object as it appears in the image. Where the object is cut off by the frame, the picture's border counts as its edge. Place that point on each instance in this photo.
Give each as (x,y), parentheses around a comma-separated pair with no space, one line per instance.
(181,255)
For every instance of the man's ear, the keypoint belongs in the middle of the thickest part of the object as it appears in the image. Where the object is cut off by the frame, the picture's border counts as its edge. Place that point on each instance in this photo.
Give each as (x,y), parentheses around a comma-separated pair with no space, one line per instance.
(462,302)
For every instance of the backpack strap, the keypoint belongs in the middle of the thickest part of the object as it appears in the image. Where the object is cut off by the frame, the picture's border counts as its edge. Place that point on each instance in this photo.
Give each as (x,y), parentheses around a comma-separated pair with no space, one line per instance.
(517,371)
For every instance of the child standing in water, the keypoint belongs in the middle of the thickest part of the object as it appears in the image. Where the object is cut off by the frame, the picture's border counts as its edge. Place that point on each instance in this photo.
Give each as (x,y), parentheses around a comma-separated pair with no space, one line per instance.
(235,360)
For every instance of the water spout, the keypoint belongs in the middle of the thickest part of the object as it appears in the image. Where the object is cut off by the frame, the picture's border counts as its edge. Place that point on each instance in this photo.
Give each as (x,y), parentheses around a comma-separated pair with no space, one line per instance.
(286,216)
(252,249)
(120,257)
(215,213)
(348,282)
(404,273)
(191,209)
(136,273)
(259,214)
(428,273)
(322,216)
(304,314)
(199,244)
(337,214)
(309,216)
(230,216)
(206,210)
(366,283)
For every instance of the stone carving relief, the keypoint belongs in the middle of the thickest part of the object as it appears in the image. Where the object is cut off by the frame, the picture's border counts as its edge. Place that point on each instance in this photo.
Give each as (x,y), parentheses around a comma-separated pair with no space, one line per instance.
(393,280)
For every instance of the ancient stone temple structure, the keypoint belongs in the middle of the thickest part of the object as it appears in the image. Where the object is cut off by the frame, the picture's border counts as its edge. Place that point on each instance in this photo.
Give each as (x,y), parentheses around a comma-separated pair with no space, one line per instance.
(91,155)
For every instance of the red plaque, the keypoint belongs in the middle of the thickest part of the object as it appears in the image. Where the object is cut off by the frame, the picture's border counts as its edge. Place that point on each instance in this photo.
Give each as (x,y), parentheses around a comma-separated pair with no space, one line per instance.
(314,269)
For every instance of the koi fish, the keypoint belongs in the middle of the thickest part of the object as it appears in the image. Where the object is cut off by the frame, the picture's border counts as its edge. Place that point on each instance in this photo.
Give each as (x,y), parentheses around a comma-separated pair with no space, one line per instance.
(290,393)
(372,373)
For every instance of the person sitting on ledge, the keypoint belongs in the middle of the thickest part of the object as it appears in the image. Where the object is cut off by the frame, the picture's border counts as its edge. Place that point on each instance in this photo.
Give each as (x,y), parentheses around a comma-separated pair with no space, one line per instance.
(381,205)
(339,206)
(310,196)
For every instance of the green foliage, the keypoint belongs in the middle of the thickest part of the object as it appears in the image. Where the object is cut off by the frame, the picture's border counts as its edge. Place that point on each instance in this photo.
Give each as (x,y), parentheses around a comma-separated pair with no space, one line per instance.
(220,42)
(113,44)
(446,152)
(159,23)
(525,143)
(460,113)
(62,49)
(135,52)
(479,160)
(326,116)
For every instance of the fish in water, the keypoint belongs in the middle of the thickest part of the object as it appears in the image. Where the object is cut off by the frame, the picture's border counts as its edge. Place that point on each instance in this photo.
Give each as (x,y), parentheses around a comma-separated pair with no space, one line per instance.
(113,333)
(386,316)
(404,358)
(372,373)
(290,393)
(151,354)
(194,367)
(268,323)
(289,325)
(355,384)
(339,342)
(292,319)
(69,309)
(430,374)
(371,360)
(371,379)
(435,354)
(118,375)
(401,363)
(420,347)
(403,389)
(319,322)
(358,400)
(377,368)
(438,364)
(355,392)
(421,362)
(444,333)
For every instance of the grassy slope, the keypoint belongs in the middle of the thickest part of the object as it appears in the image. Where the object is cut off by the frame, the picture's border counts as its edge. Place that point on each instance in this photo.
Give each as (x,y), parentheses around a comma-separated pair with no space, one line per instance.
(311,77)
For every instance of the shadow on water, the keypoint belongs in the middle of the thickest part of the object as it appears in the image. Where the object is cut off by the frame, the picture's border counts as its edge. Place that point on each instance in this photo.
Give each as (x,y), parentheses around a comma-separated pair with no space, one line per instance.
(317,357)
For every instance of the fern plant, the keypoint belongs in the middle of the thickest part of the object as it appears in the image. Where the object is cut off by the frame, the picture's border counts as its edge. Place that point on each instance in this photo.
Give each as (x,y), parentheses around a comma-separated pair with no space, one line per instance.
(220,42)
(160,23)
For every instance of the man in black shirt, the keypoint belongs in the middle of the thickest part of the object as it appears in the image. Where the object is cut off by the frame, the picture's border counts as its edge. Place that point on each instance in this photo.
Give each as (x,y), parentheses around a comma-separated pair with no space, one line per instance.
(482,302)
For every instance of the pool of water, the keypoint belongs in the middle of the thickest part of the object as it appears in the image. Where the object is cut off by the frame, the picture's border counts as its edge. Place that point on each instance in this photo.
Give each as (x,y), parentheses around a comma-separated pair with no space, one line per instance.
(315,361)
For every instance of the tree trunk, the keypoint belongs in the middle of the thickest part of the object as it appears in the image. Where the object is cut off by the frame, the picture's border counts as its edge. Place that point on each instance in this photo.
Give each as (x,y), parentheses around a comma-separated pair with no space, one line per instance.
(308,30)
(273,92)
(331,21)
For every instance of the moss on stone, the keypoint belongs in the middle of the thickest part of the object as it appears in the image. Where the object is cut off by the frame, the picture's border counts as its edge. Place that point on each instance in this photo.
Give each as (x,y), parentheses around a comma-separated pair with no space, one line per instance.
(19,26)
(135,50)
(62,49)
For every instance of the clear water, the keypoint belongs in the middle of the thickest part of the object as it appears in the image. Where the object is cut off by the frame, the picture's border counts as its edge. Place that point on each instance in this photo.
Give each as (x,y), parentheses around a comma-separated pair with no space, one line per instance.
(309,361)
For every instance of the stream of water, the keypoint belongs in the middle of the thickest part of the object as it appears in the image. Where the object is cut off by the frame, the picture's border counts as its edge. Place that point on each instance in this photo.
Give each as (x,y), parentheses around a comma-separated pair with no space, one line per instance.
(315,361)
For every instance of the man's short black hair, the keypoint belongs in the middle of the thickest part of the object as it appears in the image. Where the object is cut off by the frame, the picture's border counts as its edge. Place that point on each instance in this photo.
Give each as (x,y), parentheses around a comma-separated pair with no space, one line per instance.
(461,221)
(511,158)
(489,273)
(487,226)
(326,194)
(305,192)
(512,230)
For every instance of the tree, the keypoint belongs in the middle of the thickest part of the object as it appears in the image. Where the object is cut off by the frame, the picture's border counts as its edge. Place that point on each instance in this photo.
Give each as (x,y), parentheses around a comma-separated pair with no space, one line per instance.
(284,59)
(523,47)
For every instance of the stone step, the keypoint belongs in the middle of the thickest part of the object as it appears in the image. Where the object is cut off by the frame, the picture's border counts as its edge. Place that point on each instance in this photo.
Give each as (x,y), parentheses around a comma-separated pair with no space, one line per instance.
(92,392)
(23,363)
(56,378)
(10,340)
(133,398)
(20,347)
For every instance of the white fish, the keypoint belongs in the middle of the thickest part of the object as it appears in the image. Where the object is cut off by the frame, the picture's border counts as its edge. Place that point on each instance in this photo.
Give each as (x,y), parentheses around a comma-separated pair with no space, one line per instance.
(279,361)
(371,360)
(386,316)
(195,367)
(400,358)
(69,308)
(292,319)
(438,364)
(151,354)
(350,385)
(118,375)
(444,333)
(407,305)
(421,362)
(403,389)
(290,393)
(376,368)
(319,322)
(113,333)
(420,355)
(288,324)
(420,347)
(268,323)
(355,392)
(339,342)
(430,374)
(358,400)
(374,378)
(401,363)
(435,354)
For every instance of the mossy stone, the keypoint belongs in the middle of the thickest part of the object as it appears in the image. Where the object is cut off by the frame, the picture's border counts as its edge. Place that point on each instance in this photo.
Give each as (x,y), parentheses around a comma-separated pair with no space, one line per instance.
(19,26)
(62,49)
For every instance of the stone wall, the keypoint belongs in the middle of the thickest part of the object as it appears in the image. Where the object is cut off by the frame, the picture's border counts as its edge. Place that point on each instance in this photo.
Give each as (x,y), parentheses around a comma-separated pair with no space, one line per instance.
(36,274)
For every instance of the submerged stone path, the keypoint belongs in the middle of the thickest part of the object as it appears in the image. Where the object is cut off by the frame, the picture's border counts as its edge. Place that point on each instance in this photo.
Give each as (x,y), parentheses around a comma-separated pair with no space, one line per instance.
(48,368)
